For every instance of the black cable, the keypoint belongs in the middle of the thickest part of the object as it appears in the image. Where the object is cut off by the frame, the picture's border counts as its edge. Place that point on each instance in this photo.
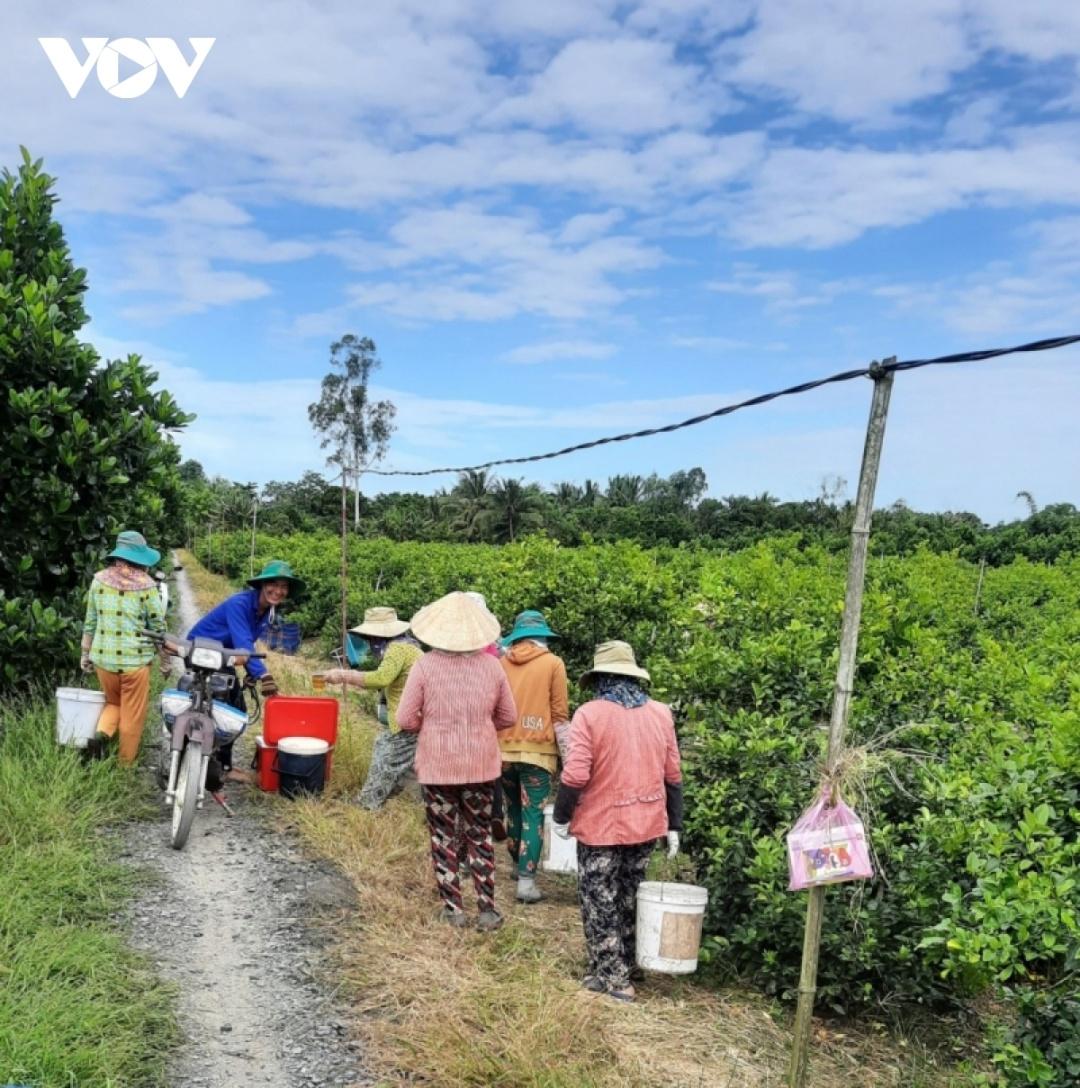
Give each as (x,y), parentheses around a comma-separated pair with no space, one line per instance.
(762,398)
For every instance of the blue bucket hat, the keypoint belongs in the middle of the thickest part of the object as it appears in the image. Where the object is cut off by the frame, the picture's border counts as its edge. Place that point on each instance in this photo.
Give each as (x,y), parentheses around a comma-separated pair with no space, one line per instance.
(529,624)
(132,547)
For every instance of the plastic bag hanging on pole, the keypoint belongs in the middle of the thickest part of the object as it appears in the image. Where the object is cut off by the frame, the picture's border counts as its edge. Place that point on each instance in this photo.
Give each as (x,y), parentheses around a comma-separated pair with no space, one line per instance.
(827,845)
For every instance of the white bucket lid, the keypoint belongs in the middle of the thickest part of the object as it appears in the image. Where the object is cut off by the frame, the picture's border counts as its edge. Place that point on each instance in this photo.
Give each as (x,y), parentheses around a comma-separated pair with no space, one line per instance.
(80,695)
(303,746)
(663,891)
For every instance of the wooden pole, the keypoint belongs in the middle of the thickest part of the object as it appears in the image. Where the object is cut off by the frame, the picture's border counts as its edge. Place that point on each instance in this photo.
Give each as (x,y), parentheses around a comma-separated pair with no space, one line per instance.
(254,521)
(344,566)
(845,675)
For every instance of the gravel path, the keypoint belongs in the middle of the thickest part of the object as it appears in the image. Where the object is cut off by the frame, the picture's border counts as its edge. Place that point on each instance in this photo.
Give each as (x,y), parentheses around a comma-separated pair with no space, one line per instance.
(237,921)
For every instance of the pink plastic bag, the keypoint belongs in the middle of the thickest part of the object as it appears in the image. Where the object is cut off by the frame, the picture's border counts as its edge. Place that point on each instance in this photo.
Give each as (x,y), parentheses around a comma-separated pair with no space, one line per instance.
(827,845)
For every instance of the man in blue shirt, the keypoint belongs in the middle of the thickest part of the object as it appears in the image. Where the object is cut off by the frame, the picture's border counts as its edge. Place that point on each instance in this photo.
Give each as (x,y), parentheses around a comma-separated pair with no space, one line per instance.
(244,619)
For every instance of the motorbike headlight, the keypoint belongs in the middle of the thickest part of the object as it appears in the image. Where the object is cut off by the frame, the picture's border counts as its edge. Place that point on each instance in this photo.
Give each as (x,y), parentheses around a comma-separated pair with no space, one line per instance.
(206,658)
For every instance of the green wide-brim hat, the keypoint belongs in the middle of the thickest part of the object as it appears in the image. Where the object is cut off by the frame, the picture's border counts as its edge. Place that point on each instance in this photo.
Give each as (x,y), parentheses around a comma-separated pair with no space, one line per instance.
(529,624)
(277,570)
(132,547)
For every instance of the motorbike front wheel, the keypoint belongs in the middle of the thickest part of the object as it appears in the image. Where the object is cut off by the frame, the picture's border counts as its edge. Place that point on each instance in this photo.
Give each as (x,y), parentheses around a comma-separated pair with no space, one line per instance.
(187,793)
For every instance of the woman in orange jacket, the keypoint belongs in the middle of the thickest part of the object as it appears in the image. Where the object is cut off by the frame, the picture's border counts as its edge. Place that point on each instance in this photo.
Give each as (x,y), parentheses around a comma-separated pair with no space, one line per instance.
(529,749)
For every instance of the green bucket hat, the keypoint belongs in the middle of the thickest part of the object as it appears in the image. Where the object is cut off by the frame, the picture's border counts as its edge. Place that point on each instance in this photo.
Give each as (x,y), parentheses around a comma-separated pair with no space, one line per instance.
(529,624)
(278,570)
(132,547)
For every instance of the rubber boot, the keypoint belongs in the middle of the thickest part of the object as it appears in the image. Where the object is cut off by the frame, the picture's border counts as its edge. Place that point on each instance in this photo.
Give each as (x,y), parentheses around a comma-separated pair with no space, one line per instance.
(527,891)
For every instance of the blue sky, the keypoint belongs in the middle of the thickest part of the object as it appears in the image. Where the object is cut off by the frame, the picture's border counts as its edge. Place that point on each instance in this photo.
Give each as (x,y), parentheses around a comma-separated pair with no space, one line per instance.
(569,219)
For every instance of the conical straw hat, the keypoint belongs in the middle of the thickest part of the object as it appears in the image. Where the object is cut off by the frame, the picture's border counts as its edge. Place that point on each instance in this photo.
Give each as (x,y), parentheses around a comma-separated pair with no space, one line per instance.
(455,623)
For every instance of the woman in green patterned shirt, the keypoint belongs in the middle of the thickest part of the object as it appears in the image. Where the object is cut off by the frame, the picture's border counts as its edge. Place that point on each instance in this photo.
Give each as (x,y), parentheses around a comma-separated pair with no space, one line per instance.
(122,601)
(396,653)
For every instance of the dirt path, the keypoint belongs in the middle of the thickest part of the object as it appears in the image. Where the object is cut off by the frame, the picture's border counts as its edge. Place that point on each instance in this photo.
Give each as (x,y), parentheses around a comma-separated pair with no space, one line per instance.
(231,923)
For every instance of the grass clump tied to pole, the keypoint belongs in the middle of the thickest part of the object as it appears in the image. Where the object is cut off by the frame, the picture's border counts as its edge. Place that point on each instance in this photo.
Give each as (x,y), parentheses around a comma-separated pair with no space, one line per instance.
(76,1006)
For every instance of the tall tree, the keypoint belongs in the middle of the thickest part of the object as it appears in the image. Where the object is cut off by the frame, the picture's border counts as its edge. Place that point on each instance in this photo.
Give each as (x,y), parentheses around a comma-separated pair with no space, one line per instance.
(86,446)
(355,428)
(625,490)
(470,501)
(513,509)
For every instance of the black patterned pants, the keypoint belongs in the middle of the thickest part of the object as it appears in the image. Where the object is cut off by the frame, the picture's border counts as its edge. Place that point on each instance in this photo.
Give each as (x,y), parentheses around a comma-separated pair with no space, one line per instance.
(608,879)
(469,807)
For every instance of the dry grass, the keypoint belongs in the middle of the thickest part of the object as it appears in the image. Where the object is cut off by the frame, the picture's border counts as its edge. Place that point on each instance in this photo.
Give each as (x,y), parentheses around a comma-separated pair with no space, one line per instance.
(451,1008)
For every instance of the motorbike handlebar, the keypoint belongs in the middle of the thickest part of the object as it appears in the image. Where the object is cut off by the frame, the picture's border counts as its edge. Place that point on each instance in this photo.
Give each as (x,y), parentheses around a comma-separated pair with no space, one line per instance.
(176,642)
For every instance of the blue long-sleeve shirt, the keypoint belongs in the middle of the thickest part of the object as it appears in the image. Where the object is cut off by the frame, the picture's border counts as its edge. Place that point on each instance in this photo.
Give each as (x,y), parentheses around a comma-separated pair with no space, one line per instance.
(237,625)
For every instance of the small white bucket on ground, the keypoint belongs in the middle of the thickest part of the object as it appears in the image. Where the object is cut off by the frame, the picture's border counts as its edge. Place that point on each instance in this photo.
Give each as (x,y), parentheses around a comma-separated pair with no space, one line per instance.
(77,713)
(669,918)
(560,855)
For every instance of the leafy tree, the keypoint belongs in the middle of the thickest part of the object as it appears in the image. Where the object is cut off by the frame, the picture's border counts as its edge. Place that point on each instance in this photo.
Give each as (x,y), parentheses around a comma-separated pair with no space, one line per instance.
(354,427)
(191,472)
(470,502)
(625,490)
(86,447)
(514,509)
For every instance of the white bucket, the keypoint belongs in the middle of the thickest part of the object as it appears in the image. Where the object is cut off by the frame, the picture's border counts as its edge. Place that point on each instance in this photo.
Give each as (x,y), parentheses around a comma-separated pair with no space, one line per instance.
(77,713)
(560,855)
(669,918)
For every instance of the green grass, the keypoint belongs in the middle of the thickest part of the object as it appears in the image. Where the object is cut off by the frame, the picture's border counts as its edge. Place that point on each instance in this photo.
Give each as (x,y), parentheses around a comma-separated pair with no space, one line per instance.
(77,1008)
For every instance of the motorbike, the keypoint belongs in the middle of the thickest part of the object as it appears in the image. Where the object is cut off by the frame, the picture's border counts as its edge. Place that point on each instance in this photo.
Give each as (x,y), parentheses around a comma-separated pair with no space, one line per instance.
(195,723)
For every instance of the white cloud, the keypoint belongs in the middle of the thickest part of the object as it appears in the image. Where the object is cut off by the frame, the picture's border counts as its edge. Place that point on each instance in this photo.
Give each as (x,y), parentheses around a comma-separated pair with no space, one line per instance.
(709,343)
(848,59)
(529,354)
(820,198)
(464,262)
(617,85)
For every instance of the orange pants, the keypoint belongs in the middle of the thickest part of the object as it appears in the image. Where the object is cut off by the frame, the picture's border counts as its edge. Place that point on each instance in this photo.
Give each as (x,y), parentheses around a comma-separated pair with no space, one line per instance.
(127,699)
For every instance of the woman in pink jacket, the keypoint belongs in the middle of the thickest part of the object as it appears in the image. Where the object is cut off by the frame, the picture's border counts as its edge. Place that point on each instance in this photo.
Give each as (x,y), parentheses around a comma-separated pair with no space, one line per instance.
(621,791)
(456,698)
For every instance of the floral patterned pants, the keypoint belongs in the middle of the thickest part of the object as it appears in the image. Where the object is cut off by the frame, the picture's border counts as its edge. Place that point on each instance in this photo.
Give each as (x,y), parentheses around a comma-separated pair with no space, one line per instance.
(608,879)
(525,788)
(445,806)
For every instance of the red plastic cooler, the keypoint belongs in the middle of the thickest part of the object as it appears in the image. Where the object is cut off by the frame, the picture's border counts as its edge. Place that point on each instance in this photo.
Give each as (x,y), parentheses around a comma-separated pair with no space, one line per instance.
(293,716)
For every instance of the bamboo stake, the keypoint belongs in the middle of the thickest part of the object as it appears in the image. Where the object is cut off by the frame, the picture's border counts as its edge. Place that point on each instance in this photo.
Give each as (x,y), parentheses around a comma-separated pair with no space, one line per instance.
(845,674)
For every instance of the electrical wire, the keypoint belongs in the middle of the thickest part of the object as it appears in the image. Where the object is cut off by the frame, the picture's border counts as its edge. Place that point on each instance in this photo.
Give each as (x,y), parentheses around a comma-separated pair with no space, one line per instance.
(872,371)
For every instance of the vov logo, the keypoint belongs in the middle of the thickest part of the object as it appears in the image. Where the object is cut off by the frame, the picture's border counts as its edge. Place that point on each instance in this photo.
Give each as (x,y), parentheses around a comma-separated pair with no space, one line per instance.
(105,55)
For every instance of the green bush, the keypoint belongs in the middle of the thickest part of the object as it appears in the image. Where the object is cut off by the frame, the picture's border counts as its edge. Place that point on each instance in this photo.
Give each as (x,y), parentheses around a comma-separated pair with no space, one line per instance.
(964,730)
(85,447)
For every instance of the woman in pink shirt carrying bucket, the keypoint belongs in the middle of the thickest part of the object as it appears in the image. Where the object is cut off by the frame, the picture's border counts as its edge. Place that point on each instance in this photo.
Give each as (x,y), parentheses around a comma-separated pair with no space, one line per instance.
(621,791)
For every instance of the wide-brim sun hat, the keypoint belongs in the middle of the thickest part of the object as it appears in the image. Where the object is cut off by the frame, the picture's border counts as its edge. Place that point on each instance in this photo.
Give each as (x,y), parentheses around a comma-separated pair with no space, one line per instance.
(455,623)
(381,623)
(132,548)
(529,624)
(277,570)
(617,659)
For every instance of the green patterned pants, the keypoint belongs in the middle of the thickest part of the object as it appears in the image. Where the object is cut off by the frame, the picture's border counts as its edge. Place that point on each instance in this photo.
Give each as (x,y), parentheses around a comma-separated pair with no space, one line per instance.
(526,788)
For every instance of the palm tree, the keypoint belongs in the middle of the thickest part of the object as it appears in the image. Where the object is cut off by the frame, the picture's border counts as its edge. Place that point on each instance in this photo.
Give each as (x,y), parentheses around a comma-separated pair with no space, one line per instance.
(1032,506)
(625,490)
(469,499)
(513,509)
(590,493)
(566,494)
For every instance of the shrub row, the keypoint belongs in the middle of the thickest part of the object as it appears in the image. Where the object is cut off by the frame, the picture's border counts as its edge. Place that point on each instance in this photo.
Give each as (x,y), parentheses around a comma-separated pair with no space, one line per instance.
(966,719)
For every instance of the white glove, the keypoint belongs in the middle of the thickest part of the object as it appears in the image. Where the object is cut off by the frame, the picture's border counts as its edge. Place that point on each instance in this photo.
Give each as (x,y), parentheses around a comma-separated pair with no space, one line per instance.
(562,830)
(672,843)
(562,739)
